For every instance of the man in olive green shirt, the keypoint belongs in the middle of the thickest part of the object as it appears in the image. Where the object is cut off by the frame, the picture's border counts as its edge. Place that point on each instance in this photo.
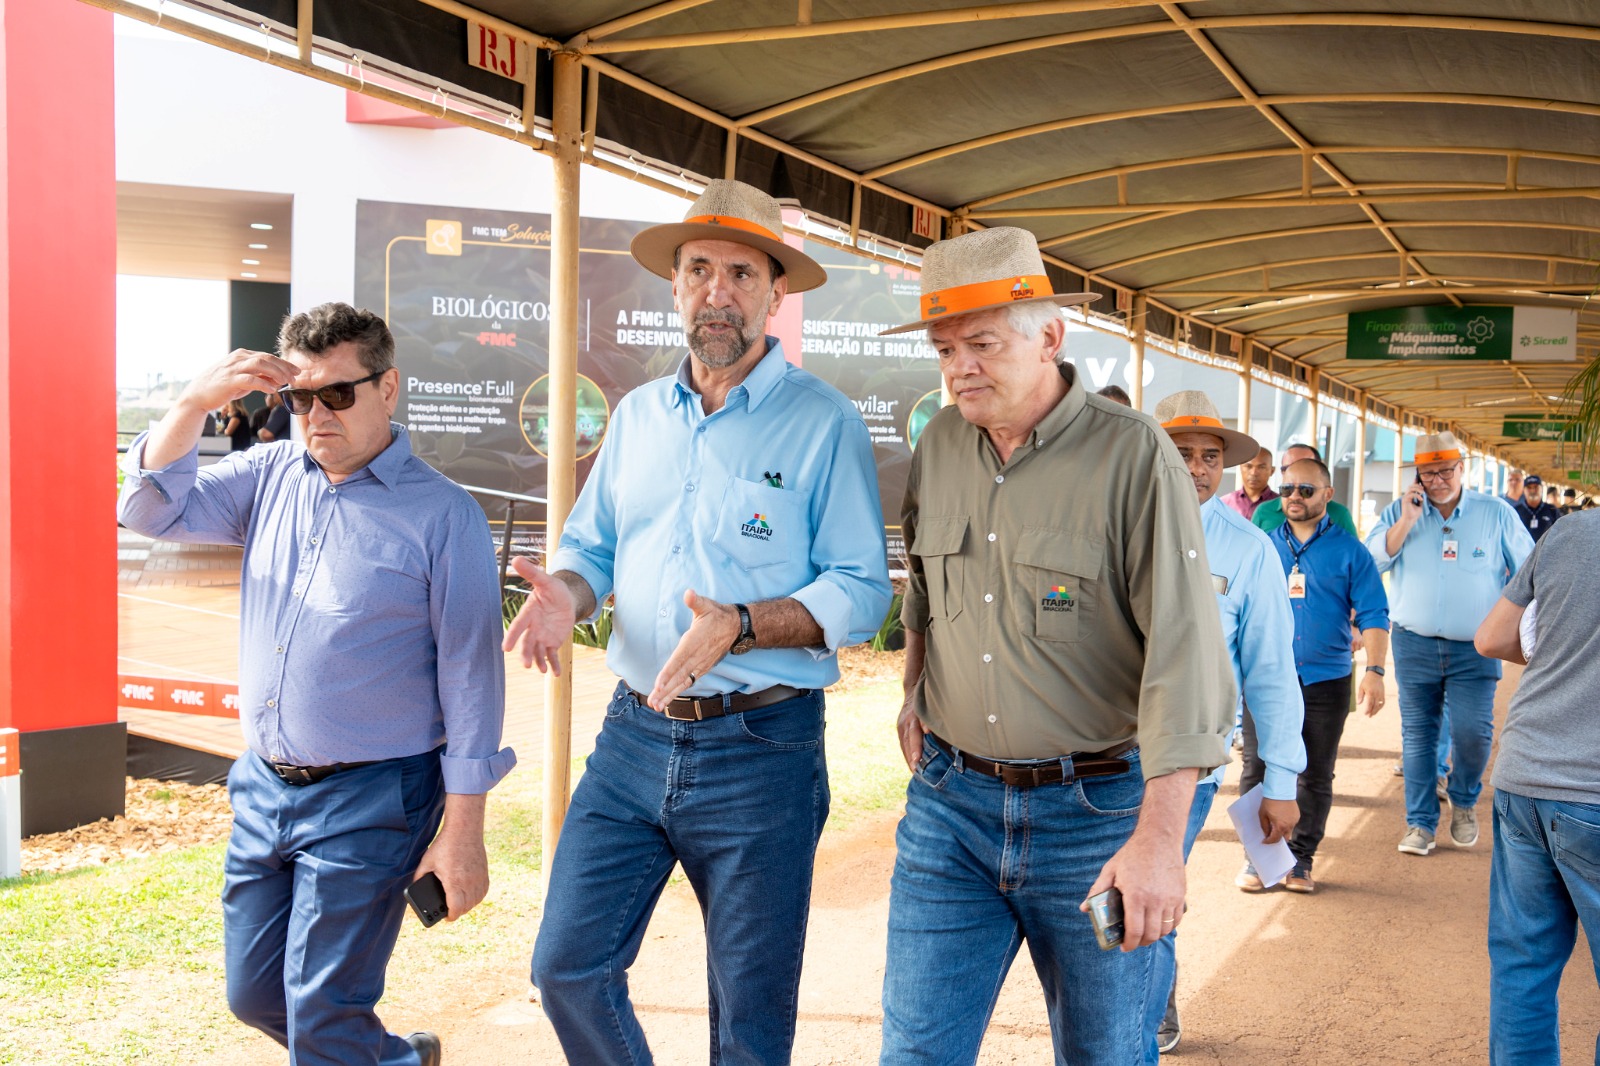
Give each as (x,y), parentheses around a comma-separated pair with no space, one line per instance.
(1065,677)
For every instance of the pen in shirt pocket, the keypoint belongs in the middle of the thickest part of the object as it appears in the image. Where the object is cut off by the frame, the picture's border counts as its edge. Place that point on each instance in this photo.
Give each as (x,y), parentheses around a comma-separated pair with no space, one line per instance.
(772,478)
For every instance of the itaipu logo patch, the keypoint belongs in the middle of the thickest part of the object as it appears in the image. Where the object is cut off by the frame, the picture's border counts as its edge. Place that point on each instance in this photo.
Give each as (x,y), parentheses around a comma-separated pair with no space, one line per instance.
(1478,553)
(1058,599)
(756,527)
(1021,290)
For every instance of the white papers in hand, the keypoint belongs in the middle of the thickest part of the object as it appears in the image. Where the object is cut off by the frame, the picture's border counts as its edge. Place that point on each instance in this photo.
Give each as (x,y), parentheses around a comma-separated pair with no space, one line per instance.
(1272,861)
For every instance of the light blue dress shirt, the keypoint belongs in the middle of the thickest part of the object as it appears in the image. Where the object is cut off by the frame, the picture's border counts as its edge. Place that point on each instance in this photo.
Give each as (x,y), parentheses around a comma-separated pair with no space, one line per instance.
(369,611)
(774,495)
(1258,629)
(1432,596)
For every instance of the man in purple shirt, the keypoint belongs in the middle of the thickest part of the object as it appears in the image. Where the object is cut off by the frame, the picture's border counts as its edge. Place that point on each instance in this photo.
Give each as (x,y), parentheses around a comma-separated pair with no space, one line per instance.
(371,682)
(1253,492)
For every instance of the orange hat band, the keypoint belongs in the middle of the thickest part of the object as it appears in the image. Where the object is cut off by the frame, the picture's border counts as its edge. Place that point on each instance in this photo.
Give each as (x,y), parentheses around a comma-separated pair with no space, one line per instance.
(1194,422)
(963,298)
(1437,457)
(733,223)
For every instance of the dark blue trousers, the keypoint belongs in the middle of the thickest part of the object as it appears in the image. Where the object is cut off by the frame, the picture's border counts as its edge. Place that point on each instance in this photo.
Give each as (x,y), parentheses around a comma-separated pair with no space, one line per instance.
(312,904)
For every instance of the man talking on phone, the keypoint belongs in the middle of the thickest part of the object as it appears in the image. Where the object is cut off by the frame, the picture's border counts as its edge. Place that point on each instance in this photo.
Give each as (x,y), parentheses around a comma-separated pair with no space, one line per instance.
(1449,551)
(371,681)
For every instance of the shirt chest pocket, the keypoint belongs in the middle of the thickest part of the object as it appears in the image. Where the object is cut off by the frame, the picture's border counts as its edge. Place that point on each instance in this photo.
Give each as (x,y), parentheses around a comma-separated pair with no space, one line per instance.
(376,575)
(1060,572)
(938,545)
(758,523)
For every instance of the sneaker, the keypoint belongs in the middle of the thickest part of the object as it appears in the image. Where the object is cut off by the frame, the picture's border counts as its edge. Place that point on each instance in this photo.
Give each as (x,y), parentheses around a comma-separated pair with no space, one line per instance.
(1464,826)
(1399,769)
(1417,841)
(1441,789)
(1299,879)
(1248,879)
(1168,1035)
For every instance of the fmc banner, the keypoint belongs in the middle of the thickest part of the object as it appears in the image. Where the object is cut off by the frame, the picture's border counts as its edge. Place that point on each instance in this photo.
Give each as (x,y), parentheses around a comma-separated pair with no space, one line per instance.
(466,294)
(1436,333)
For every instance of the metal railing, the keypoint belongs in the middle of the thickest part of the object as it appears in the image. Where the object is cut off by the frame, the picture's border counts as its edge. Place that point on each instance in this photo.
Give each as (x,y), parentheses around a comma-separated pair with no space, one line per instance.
(512,499)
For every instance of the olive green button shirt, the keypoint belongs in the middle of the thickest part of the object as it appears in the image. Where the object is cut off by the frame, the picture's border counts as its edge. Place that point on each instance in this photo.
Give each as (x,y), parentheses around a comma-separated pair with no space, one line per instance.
(1064,595)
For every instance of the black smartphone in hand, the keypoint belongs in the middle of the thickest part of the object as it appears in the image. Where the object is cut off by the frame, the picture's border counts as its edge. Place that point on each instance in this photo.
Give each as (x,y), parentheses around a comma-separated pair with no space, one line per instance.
(426,896)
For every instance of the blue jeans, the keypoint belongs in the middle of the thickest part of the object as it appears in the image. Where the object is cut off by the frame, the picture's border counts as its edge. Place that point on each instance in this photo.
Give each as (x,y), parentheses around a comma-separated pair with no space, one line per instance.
(1428,672)
(1164,974)
(739,801)
(1544,881)
(981,867)
(312,904)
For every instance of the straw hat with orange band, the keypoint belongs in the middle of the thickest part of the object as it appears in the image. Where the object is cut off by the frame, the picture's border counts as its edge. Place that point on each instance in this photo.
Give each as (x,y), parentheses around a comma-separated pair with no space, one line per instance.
(1192,411)
(983,270)
(728,211)
(1437,448)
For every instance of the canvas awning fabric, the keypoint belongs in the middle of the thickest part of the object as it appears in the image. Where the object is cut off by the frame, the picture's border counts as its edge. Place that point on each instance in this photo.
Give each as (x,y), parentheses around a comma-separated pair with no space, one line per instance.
(1255,169)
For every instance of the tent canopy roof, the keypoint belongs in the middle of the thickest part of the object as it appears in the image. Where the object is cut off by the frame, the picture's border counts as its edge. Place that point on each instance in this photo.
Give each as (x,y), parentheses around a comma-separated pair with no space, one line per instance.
(1255,169)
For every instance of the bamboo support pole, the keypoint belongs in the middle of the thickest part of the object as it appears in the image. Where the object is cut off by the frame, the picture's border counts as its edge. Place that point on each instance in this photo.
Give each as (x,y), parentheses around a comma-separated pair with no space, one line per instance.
(1136,332)
(1358,466)
(1341,199)
(802,30)
(566,161)
(1246,381)
(304,23)
(253,50)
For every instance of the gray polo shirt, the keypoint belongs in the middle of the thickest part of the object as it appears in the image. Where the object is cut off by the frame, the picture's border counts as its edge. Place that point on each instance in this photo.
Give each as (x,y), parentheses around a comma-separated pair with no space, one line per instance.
(1065,595)
(1550,747)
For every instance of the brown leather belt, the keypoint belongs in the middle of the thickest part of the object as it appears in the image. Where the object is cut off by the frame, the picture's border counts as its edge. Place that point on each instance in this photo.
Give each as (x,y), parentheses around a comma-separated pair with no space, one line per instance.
(686,709)
(310,775)
(1044,771)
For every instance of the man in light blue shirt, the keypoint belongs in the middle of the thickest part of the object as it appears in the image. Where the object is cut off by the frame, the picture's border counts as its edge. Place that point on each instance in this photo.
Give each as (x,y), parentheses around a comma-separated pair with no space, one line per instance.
(371,682)
(1258,629)
(733,513)
(1449,551)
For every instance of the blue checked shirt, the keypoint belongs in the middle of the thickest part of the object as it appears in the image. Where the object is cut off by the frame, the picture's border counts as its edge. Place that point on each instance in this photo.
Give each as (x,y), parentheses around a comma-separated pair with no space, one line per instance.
(774,495)
(1433,596)
(1258,630)
(1340,577)
(369,611)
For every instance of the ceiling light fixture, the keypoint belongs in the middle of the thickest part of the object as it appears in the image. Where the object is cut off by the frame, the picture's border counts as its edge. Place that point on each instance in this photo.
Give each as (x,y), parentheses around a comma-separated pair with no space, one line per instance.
(258,247)
(251,262)
(246,274)
(260,225)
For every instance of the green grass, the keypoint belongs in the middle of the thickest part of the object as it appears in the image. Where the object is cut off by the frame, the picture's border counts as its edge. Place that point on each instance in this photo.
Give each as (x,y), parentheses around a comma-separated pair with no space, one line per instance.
(123,963)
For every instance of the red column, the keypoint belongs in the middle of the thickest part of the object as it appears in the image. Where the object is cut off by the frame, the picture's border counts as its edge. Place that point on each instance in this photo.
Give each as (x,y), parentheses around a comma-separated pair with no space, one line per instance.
(58,260)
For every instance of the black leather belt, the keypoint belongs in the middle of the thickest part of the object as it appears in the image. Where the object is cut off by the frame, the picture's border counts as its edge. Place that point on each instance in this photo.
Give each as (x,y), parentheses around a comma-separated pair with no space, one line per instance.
(310,775)
(686,709)
(1044,771)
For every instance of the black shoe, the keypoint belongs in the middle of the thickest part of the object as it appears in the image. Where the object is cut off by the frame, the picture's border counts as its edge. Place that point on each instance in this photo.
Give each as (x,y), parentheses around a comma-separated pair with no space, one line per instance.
(428,1047)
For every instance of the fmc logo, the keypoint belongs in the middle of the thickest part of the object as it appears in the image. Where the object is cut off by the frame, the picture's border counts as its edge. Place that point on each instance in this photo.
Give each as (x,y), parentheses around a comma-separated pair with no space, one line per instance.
(1059,599)
(756,527)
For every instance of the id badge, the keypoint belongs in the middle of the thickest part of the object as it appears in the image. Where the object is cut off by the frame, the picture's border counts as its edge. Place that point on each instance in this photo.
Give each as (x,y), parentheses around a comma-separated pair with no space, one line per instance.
(1297,585)
(1450,549)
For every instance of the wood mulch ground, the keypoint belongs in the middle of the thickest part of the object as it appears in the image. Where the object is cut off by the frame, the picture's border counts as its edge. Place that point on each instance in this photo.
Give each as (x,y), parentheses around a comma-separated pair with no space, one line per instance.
(162,816)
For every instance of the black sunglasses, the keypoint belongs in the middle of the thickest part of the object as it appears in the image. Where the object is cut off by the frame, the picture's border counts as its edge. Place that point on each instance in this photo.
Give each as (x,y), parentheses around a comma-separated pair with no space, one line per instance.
(1305,492)
(339,396)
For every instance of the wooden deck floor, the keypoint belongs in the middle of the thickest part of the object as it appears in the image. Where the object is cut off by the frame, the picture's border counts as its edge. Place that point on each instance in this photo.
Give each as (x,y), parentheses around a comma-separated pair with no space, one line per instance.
(167,627)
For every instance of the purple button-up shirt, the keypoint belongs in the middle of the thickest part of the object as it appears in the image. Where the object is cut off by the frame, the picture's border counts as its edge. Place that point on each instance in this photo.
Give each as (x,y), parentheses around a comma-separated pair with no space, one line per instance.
(1240,501)
(369,611)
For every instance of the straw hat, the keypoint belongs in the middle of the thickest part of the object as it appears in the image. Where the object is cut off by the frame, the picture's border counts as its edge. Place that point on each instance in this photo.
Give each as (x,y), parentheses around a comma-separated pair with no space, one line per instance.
(982,270)
(1192,411)
(728,211)
(1438,448)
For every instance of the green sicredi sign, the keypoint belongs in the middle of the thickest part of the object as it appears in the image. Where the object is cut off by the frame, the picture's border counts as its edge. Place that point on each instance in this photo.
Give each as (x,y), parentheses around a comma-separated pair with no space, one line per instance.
(1536,427)
(1443,333)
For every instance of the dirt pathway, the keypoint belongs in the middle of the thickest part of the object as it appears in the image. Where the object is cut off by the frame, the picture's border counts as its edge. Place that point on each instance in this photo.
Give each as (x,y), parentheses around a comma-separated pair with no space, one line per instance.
(1384,965)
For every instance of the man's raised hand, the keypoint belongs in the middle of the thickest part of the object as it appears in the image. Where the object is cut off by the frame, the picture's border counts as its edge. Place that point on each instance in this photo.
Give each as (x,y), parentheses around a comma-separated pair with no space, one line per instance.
(545,621)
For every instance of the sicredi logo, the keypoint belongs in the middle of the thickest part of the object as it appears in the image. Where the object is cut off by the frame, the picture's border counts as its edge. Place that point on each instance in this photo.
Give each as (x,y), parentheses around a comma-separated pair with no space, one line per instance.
(756,527)
(1058,599)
